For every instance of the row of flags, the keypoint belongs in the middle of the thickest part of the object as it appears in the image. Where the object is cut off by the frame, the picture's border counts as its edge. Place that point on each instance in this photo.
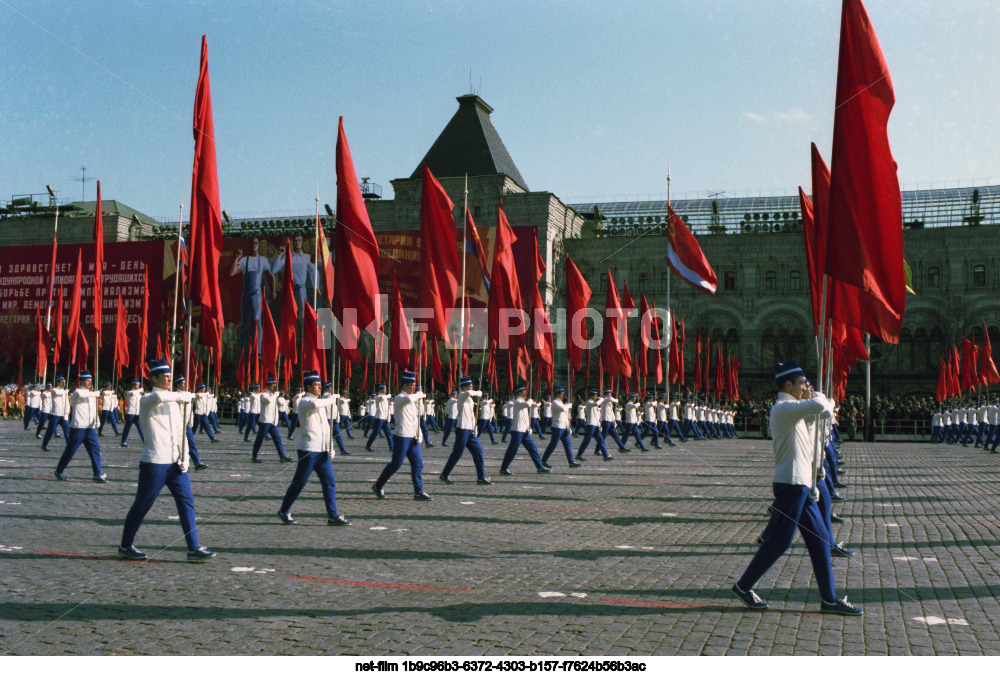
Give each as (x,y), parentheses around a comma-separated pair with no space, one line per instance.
(972,369)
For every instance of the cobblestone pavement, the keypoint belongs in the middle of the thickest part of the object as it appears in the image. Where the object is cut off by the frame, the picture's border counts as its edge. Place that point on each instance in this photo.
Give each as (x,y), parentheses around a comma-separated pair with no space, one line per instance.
(631,557)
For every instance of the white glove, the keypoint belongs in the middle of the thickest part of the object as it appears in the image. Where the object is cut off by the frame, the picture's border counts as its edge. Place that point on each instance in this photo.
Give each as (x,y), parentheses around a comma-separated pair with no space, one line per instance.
(814,495)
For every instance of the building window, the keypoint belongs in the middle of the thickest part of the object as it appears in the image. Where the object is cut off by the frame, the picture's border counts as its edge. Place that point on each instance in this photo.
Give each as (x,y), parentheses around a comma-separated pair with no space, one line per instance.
(771,281)
(795,280)
(664,280)
(979,275)
(729,281)
(642,282)
(604,282)
(933,277)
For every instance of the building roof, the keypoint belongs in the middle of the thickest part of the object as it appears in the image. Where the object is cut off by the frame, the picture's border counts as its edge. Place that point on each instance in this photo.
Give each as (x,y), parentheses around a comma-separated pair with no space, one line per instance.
(469,145)
(114,208)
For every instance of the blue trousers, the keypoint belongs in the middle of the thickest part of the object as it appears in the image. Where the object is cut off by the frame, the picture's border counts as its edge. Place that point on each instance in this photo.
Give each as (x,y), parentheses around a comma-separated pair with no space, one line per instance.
(54,421)
(608,429)
(366,423)
(201,423)
(449,424)
(793,510)
(506,430)
(214,419)
(43,419)
(129,421)
(409,449)
(29,416)
(321,464)
(335,431)
(650,428)
(252,419)
(293,421)
(284,421)
(632,430)
(831,459)
(484,425)
(106,417)
(346,422)
(432,422)
(152,478)
(594,432)
(264,429)
(524,438)
(536,428)
(674,426)
(88,437)
(192,446)
(559,435)
(240,419)
(466,438)
(937,435)
(379,426)
(423,431)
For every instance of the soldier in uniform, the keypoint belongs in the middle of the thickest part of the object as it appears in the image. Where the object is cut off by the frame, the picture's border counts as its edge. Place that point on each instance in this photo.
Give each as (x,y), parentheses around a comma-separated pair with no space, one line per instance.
(83,429)
(406,439)
(465,436)
(57,413)
(109,403)
(267,425)
(132,397)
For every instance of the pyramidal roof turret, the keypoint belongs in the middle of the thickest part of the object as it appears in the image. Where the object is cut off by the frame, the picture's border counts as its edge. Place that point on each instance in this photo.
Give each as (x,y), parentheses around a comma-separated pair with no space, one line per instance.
(469,145)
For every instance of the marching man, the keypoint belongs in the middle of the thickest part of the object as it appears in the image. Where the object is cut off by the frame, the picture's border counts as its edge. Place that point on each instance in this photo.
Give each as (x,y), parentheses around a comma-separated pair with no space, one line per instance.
(405,441)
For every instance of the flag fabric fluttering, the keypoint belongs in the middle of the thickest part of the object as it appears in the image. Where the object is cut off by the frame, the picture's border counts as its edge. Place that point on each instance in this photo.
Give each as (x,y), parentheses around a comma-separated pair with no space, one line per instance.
(121,338)
(685,257)
(657,331)
(400,342)
(140,364)
(474,247)
(98,267)
(206,214)
(987,368)
(865,232)
(57,329)
(505,291)
(73,326)
(356,251)
(967,378)
(269,338)
(325,262)
(577,297)
(540,328)
(313,356)
(613,352)
(439,264)
(42,342)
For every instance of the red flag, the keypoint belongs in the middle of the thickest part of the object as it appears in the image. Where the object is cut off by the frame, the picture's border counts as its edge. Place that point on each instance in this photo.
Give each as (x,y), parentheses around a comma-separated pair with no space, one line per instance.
(436,362)
(577,297)
(540,328)
(680,354)
(987,368)
(401,342)
(159,347)
(140,347)
(98,266)
(720,376)
(474,245)
(439,269)
(505,292)
(646,328)
(966,375)
(674,354)
(42,342)
(956,375)
(628,307)
(313,357)
(83,347)
(206,214)
(706,378)
(698,380)
(289,314)
(57,334)
(269,339)
(865,246)
(240,369)
(121,338)
(658,358)
(356,272)
(942,391)
(685,258)
(325,261)
(73,327)
(613,353)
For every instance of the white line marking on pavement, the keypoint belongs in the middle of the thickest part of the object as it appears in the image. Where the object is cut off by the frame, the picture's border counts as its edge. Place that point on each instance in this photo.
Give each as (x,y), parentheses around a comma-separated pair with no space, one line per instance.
(551,594)
(467,503)
(378,527)
(937,621)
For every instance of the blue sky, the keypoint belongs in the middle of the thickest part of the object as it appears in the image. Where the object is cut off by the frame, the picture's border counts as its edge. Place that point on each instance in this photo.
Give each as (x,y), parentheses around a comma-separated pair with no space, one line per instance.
(592,99)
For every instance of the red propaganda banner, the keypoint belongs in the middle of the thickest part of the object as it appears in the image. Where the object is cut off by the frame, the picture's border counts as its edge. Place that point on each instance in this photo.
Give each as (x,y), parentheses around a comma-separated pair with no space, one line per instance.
(24,279)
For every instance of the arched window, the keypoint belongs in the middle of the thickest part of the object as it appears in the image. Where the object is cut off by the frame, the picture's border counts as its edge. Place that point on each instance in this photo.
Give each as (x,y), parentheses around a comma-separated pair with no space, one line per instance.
(795,280)
(771,281)
(729,281)
(933,277)
(979,275)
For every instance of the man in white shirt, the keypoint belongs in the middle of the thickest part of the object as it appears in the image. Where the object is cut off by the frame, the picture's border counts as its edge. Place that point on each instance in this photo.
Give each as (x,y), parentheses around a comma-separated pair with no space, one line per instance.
(546,414)
(369,414)
(581,416)
(334,423)
(315,451)
(344,411)
(430,415)
(795,494)
(993,419)
(380,420)
(180,384)
(44,408)
(592,430)
(406,440)
(937,426)
(608,404)
(32,400)
(83,429)
(450,414)
(293,417)
(649,421)
(486,419)
(632,412)
(465,436)
(58,412)
(253,412)
(521,432)
(132,397)
(242,406)
(163,462)
(508,418)
(267,425)
(109,403)
(283,411)
(560,429)
(674,420)
(202,404)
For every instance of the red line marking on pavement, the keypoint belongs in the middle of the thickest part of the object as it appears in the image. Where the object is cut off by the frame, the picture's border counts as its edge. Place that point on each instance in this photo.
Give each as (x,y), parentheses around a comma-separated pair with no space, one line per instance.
(198,487)
(68,555)
(373,584)
(567,508)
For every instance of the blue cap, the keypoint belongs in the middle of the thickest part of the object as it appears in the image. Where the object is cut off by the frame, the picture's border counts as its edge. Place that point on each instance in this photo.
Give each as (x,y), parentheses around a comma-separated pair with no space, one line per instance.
(85,375)
(135,381)
(255,386)
(158,367)
(789,370)
(379,386)
(558,390)
(454,391)
(181,380)
(591,392)
(649,397)
(310,376)
(60,378)
(201,385)
(519,388)
(343,391)
(107,384)
(327,385)
(608,390)
(407,377)
(271,380)
(465,382)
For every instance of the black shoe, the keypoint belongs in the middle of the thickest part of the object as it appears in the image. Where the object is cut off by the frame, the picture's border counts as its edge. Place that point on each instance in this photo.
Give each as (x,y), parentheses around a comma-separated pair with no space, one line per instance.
(256,461)
(124,445)
(545,470)
(506,472)
(200,467)
(608,458)
(839,485)
(100,434)
(379,492)
(200,555)
(837,498)
(840,607)
(131,553)
(60,476)
(547,465)
(423,497)
(624,450)
(103,478)
(215,440)
(430,445)
(444,479)
(644,449)
(291,438)
(580,458)
(575,465)
(749,598)
(484,481)
(345,451)
(839,551)
(834,518)
(286,518)
(286,459)
(339,520)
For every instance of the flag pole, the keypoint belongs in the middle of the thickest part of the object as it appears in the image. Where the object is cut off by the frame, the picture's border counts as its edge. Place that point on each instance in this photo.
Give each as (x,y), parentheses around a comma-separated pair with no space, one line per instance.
(818,439)
(177,286)
(316,254)
(461,311)
(48,308)
(670,315)
(868,390)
